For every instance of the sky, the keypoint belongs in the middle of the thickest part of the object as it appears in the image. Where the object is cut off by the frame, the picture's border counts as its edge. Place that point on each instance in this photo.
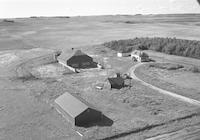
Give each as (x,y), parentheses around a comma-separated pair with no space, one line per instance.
(27,8)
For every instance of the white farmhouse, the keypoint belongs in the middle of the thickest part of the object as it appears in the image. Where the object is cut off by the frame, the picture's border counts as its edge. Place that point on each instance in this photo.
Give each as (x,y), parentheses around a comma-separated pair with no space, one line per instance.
(139,56)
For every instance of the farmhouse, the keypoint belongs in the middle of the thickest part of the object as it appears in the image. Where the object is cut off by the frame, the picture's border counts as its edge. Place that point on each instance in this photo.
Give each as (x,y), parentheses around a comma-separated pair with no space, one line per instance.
(139,56)
(116,82)
(81,60)
(76,110)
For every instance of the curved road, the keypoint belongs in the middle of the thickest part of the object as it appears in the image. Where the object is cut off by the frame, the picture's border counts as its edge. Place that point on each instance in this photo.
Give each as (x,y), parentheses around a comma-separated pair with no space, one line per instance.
(175,95)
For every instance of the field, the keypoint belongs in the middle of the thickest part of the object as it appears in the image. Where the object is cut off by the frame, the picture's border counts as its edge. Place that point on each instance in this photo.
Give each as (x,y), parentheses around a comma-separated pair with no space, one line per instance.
(182,80)
(132,113)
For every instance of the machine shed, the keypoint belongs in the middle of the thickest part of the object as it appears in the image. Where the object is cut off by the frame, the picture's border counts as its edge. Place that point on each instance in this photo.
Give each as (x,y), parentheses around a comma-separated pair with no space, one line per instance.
(76,110)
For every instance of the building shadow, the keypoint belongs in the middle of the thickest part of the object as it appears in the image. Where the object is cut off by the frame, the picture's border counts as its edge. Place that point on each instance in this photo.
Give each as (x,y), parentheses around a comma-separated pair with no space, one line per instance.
(151,60)
(105,121)
(90,66)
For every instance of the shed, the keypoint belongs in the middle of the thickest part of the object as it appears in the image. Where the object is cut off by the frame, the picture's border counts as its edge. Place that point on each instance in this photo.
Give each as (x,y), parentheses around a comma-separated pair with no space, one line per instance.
(116,82)
(76,110)
(81,60)
(123,54)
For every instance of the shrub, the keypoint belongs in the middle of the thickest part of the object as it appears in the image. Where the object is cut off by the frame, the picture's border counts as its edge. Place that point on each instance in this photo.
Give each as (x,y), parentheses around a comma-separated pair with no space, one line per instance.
(33,17)
(167,66)
(194,69)
(174,67)
(8,20)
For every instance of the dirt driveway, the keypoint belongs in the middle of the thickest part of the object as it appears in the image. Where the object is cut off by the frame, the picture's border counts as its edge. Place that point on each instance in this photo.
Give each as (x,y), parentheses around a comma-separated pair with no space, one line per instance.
(175,95)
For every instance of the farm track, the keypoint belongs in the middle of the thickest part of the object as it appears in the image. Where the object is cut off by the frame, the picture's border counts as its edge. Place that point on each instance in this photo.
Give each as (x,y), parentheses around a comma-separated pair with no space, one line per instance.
(165,92)
(149,127)
(184,133)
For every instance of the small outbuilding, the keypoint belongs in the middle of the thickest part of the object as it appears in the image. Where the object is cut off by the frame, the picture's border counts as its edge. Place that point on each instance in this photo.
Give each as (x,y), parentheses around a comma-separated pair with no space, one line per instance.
(76,110)
(117,82)
(81,60)
(123,54)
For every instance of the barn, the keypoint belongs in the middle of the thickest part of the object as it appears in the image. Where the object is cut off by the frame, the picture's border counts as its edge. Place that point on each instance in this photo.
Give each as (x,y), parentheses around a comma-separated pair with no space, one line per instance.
(81,60)
(76,110)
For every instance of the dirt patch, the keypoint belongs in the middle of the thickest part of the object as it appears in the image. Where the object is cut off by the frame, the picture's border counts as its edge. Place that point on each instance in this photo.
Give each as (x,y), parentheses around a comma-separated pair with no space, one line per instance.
(28,33)
(51,70)
(7,58)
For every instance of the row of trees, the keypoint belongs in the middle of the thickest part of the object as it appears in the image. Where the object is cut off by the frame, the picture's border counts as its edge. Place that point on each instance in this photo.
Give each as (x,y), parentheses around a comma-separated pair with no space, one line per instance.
(181,47)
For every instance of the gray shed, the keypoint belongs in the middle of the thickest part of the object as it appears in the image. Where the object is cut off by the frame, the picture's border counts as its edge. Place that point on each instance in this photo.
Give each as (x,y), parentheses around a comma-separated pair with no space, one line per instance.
(76,110)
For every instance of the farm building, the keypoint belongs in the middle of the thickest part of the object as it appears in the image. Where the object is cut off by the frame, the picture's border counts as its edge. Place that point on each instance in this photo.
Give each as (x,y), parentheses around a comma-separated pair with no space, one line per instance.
(81,60)
(8,20)
(116,82)
(77,111)
(123,54)
(139,56)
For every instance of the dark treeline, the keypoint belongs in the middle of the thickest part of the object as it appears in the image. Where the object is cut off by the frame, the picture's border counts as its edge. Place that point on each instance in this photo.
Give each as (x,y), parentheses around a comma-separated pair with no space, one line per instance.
(181,47)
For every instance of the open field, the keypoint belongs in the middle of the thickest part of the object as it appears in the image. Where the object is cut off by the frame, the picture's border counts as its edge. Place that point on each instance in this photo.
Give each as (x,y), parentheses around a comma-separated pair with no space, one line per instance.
(179,81)
(137,112)
(182,81)
(64,33)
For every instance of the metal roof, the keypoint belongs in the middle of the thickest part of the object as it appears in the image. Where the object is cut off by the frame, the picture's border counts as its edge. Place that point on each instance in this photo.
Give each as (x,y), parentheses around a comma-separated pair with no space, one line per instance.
(69,53)
(71,104)
(116,81)
(140,53)
(79,53)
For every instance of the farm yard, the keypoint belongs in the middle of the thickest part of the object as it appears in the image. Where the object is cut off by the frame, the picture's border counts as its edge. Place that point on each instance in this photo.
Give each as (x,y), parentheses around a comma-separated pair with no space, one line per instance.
(31,79)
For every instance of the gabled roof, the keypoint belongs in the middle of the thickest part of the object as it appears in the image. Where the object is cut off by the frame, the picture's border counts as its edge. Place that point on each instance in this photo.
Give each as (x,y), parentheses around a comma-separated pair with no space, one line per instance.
(67,54)
(124,52)
(79,53)
(140,53)
(144,54)
(72,105)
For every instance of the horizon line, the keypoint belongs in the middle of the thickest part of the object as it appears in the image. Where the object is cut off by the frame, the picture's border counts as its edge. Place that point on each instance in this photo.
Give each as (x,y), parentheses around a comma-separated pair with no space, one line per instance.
(54,16)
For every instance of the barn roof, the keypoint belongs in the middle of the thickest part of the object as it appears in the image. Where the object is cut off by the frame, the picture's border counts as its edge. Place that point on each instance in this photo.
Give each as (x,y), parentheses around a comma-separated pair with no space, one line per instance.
(67,54)
(72,105)
(79,53)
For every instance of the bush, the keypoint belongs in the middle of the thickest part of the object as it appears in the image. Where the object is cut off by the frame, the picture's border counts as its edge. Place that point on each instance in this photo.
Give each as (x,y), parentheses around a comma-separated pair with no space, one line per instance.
(174,67)
(194,69)
(8,20)
(167,66)
(33,17)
